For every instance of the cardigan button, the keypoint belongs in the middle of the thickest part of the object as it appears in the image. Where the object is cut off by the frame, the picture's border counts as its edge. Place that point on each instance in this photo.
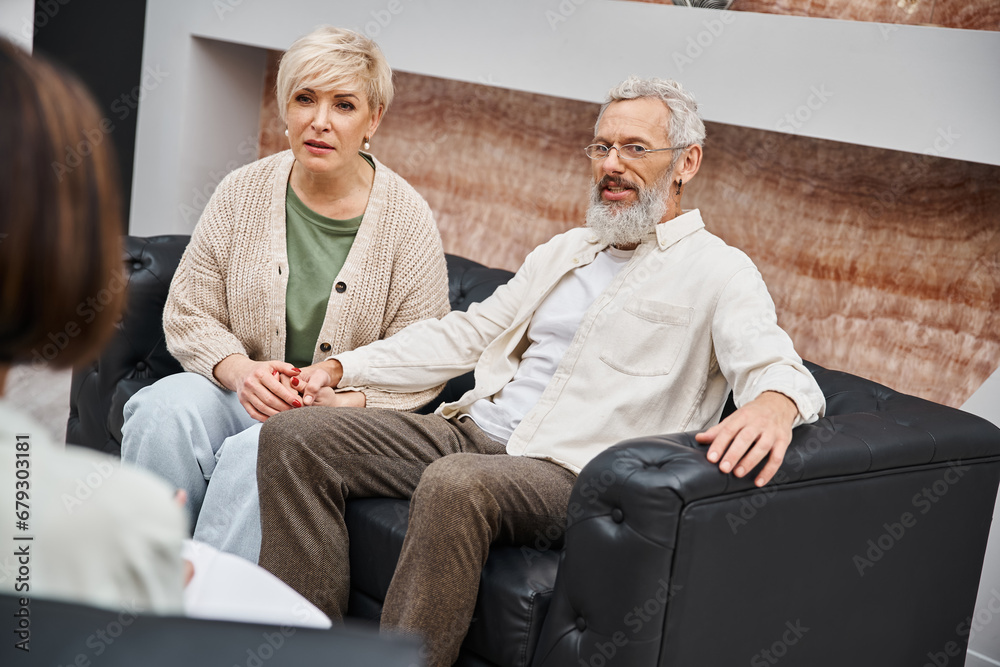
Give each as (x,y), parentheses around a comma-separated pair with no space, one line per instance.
(341,287)
(324,347)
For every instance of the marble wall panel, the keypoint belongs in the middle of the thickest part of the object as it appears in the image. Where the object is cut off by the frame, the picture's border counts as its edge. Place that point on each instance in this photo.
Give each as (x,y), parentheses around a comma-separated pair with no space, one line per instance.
(881,263)
(970,14)
(272,130)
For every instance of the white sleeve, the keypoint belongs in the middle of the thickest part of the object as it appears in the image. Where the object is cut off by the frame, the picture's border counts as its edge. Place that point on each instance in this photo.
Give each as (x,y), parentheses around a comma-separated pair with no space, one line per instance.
(755,354)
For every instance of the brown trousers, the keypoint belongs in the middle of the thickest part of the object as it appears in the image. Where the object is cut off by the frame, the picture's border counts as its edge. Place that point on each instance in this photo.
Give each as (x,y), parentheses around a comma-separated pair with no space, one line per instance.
(465,491)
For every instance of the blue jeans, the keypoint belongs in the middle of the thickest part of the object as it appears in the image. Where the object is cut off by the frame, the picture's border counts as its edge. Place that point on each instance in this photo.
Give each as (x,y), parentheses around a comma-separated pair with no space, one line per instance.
(189,431)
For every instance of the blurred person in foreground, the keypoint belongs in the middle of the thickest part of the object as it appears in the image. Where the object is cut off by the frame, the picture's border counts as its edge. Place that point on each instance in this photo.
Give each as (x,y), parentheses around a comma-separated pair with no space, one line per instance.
(307,253)
(101,533)
(639,323)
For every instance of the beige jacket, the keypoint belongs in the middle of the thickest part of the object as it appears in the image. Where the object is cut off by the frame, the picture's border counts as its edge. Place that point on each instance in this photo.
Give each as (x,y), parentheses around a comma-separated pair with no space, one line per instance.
(228,294)
(95,530)
(686,319)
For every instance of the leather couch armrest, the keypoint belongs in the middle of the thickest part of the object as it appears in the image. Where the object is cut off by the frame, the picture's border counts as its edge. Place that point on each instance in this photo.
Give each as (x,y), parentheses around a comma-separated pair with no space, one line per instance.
(630,518)
(614,578)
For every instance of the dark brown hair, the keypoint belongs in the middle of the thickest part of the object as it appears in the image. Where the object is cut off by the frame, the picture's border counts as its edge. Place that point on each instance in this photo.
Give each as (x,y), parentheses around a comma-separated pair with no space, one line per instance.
(61,282)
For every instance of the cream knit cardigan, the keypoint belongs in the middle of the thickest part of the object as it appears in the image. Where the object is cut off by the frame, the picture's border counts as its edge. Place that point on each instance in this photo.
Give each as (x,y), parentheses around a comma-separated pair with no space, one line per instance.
(228,293)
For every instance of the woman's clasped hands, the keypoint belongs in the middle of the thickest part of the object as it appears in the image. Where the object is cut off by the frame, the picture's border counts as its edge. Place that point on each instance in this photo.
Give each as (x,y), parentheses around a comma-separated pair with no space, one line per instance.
(266,388)
(297,379)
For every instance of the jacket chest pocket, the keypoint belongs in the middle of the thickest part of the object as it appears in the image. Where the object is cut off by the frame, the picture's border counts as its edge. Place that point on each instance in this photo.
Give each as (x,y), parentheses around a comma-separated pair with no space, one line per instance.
(646,337)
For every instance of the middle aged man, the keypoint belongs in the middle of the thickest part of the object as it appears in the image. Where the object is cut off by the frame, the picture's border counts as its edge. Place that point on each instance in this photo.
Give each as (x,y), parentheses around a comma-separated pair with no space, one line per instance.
(638,324)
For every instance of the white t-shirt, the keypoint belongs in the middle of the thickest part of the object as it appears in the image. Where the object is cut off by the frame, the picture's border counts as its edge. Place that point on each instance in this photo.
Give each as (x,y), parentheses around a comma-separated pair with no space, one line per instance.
(552,328)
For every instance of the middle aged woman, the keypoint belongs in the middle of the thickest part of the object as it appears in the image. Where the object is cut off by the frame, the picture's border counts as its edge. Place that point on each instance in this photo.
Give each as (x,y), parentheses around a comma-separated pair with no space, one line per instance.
(297,257)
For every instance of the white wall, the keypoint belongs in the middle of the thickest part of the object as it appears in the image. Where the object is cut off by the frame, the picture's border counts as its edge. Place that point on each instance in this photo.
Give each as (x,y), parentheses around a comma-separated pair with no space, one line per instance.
(200,104)
(986,401)
(17,21)
(985,643)
(219,131)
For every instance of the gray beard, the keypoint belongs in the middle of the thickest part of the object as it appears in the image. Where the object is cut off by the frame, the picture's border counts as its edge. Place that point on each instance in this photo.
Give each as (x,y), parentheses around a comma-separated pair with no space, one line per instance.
(627,224)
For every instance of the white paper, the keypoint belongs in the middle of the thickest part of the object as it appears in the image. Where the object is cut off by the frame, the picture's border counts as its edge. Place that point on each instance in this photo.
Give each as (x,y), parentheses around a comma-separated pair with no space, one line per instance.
(228,588)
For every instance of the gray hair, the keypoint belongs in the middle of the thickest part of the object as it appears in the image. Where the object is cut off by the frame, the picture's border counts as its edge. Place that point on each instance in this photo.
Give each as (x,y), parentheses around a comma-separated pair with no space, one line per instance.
(686,127)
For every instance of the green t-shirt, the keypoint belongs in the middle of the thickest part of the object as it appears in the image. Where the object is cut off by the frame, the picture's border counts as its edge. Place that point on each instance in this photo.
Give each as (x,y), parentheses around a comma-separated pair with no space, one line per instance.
(317,249)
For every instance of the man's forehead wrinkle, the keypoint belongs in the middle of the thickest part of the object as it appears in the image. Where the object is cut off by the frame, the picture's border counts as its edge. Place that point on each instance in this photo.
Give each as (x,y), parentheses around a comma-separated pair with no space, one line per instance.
(629,128)
(640,117)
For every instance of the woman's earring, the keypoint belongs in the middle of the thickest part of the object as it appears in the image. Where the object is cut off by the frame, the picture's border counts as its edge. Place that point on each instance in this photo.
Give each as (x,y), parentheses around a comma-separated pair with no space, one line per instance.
(367,145)
(286,131)
(680,182)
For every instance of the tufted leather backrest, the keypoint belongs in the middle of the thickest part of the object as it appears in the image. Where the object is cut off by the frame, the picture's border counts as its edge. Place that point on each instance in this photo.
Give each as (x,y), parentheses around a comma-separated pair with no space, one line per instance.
(469,281)
(137,354)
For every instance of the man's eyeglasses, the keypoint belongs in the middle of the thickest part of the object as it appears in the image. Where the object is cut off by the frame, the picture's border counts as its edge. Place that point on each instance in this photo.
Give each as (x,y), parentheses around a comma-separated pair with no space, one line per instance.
(626,152)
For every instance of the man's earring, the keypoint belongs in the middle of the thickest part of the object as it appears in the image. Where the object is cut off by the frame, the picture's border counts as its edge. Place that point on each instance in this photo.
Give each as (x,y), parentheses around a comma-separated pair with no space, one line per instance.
(367,145)
(680,182)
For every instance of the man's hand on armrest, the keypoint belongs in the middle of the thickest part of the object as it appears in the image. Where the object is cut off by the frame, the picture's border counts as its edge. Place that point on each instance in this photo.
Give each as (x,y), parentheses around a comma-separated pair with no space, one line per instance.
(761,428)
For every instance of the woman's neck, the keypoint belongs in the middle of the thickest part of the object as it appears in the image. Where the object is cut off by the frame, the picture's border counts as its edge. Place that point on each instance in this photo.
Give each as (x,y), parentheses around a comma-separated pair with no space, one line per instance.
(3,378)
(333,189)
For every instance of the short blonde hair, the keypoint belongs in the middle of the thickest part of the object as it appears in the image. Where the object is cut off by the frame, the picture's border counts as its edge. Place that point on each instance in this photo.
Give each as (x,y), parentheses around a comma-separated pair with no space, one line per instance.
(330,57)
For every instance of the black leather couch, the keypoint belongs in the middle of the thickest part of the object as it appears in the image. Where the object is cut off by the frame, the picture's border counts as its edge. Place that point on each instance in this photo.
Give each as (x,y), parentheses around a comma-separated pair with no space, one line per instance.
(865,550)
(62,633)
